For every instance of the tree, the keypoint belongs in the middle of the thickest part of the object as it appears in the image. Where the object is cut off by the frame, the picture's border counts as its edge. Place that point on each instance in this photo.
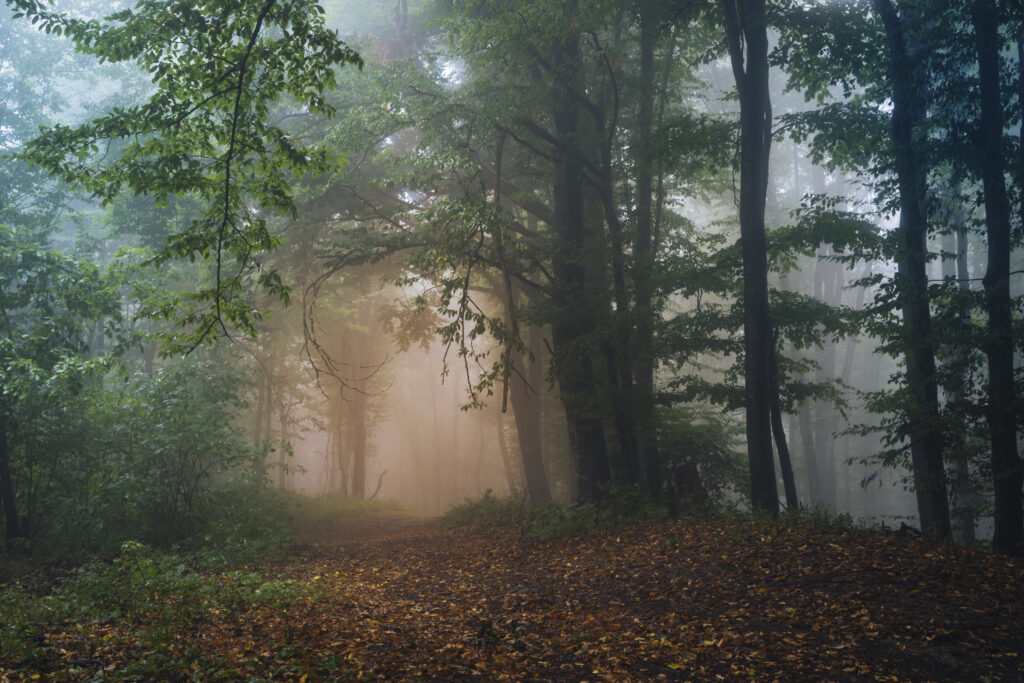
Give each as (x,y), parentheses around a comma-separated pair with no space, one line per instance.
(1007,474)
(209,131)
(858,133)
(746,26)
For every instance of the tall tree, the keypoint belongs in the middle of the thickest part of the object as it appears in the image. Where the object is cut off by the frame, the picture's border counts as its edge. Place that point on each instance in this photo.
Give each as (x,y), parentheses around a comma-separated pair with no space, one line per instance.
(907,67)
(746,27)
(1008,477)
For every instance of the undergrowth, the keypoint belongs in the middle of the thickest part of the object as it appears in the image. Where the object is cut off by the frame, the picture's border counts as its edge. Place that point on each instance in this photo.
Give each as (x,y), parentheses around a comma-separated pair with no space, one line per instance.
(554,520)
(617,508)
(307,510)
(153,593)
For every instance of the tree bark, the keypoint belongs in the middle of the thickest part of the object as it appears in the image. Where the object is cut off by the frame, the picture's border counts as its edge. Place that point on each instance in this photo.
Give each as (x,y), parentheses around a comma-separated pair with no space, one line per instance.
(654,477)
(1008,536)
(573,331)
(526,406)
(746,27)
(908,114)
(785,462)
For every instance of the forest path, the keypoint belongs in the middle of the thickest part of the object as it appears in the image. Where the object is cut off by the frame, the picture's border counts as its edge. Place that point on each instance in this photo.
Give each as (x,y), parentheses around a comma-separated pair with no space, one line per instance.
(404,599)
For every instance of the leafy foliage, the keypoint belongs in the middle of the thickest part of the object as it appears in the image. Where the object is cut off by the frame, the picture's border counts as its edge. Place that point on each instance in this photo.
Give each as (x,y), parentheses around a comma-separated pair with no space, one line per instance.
(208,132)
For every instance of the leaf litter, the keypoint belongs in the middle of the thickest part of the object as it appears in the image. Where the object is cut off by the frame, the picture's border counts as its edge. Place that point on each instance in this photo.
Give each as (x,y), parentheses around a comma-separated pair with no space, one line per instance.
(697,599)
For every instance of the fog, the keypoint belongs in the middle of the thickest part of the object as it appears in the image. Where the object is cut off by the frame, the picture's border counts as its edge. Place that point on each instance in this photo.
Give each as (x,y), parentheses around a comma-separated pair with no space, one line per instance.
(423,275)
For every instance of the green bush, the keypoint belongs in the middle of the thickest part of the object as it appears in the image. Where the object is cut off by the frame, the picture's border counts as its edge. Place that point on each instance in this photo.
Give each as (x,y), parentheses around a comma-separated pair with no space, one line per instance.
(553,520)
(487,512)
(155,458)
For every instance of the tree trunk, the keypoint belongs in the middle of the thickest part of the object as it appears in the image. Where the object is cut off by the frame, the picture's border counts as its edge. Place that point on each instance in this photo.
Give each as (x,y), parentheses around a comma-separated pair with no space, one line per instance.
(827,276)
(785,462)
(908,113)
(809,453)
(357,441)
(526,405)
(1008,536)
(573,331)
(644,257)
(513,473)
(746,27)
(965,510)
(340,459)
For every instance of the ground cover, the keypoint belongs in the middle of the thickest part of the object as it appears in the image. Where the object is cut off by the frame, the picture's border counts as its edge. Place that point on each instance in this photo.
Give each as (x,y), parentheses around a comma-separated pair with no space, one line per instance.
(400,598)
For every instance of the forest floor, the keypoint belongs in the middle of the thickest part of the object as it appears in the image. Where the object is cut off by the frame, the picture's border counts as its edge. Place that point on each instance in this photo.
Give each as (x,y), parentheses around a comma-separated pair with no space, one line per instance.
(398,598)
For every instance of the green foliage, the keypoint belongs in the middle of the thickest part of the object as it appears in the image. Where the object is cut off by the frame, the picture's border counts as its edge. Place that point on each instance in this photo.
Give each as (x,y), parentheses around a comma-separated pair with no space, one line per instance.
(553,520)
(711,440)
(159,594)
(487,512)
(155,458)
(221,74)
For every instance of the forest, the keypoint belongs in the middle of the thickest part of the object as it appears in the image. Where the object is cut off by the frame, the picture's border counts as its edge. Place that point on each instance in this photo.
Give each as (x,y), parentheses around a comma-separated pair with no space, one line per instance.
(511,340)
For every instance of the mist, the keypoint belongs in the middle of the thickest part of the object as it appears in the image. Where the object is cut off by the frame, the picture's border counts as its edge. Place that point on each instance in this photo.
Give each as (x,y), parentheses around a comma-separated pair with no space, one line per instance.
(481,253)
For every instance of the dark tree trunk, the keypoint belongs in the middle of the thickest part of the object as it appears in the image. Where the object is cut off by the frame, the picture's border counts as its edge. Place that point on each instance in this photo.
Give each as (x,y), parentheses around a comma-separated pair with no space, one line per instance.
(573,331)
(747,36)
(908,113)
(1020,105)
(644,255)
(520,371)
(1008,536)
(9,503)
(785,462)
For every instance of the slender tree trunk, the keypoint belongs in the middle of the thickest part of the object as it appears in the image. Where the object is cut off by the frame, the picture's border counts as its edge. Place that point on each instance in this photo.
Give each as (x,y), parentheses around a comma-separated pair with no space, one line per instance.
(785,462)
(827,288)
(357,441)
(964,513)
(644,256)
(340,452)
(513,474)
(1007,476)
(747,37)
(908,114)
(523,393)
(807,446)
